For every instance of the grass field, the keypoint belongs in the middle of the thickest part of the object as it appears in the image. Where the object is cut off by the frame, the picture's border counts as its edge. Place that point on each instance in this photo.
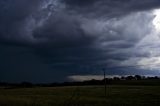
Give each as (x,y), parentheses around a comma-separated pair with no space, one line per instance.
(81,96)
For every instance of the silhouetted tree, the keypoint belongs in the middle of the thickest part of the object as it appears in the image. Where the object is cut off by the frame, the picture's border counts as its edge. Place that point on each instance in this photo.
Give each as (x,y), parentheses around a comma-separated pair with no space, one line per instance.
(138,77)
(26,84)
(116,78)
(130,78)
(123,78)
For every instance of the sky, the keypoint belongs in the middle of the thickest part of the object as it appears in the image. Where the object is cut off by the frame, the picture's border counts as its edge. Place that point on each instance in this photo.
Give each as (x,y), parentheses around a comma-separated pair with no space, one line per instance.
(63,40)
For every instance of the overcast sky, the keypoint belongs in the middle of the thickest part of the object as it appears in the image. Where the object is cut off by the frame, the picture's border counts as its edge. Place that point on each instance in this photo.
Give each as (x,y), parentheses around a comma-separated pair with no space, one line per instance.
(56,40)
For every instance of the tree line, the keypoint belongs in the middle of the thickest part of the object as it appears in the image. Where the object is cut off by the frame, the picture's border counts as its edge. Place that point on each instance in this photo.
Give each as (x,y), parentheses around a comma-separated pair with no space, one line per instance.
(123,80)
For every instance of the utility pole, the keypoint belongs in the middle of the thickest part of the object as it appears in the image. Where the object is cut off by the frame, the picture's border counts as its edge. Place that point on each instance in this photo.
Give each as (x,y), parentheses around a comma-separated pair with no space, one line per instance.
(105,86)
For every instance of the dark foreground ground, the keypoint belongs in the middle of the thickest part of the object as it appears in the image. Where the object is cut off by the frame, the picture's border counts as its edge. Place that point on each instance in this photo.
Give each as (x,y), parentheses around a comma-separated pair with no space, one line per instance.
(117,95)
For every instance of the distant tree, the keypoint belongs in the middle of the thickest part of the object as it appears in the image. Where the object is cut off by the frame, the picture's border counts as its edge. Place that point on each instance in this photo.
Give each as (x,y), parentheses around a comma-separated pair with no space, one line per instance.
(138,77)
(123,78)
(130,78)
(156,77)
(143,77)
(116,78)
(26,84)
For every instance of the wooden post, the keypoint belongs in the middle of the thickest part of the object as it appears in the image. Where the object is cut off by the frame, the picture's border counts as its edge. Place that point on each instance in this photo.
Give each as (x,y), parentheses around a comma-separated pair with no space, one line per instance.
(105,86)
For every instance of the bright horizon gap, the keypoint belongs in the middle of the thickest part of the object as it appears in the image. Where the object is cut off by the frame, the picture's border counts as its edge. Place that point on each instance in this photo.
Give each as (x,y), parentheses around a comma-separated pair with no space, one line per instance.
(100,77)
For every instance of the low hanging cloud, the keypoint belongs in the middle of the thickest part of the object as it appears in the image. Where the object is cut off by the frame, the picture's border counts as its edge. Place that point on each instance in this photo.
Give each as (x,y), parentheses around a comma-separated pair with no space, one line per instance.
(80,36)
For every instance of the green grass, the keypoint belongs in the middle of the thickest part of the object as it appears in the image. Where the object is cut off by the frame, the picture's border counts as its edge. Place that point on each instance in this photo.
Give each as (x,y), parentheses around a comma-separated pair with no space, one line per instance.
(82,96)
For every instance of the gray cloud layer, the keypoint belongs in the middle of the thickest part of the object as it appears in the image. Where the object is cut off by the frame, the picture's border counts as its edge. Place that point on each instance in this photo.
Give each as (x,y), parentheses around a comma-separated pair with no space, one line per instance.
(73,36)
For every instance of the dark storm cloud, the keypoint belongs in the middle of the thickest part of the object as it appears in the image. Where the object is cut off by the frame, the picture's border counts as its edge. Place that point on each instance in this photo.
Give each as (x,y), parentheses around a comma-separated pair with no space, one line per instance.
(62,30)
(13,13)
(110,7)
(53,37)
(22,20)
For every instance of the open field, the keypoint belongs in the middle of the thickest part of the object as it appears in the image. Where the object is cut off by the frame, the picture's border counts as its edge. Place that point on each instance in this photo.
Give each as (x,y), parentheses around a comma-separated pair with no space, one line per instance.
(81,96)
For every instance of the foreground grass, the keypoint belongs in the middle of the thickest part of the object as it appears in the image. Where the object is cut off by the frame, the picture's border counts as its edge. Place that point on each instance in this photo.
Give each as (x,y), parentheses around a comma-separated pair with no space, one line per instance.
(82,96)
